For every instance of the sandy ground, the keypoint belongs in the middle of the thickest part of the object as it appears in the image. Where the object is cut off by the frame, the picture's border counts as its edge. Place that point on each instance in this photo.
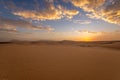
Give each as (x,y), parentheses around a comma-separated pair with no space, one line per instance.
(58,62)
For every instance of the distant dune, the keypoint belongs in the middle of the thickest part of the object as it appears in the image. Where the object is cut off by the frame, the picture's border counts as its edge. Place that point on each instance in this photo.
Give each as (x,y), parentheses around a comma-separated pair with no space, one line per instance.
(60,60)
(104,44)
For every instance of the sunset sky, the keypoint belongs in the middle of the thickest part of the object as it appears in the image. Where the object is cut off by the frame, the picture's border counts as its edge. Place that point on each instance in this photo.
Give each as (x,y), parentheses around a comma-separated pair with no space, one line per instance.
(79,20)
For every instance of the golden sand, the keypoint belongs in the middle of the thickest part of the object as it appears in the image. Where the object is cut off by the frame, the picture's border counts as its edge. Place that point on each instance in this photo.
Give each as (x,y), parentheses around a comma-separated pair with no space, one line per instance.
(58,62)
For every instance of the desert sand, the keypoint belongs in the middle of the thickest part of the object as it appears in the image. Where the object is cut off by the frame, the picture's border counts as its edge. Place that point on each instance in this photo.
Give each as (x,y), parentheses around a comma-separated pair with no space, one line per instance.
(59,62)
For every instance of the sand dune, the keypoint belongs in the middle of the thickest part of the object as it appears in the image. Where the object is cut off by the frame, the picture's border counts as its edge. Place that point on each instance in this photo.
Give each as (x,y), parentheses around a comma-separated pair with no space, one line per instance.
(58,62)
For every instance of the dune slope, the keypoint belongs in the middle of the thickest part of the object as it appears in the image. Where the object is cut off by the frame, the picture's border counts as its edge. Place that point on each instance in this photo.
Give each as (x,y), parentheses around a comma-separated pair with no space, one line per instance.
(58,62)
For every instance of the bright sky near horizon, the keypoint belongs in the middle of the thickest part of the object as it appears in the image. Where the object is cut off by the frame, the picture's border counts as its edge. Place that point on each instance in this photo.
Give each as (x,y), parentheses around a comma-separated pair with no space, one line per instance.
(79,20)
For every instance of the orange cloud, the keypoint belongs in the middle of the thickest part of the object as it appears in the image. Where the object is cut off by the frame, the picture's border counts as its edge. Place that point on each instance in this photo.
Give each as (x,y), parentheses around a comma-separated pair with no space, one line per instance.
(50,13)
(70,13)
(99,10)
(108,16)
(88,5)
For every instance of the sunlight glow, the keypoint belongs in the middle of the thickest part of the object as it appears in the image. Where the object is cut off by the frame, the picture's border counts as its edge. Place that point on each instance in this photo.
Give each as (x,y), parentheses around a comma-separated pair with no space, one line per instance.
(86,38)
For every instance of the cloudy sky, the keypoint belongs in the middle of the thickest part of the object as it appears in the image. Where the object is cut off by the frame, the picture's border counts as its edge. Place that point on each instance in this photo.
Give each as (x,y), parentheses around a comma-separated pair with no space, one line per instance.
(79,20)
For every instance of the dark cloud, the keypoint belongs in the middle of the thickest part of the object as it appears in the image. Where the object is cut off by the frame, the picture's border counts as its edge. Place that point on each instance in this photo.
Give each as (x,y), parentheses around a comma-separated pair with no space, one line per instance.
(10,24)
(8,30)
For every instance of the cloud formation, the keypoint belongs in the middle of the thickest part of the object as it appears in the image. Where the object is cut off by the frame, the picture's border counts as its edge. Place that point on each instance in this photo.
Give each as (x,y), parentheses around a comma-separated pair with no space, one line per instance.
(11,25)
(111,13)
(87,5)
(98,32)
(107,10)
(7,28)
(69,13)
(100,9)
(48,12)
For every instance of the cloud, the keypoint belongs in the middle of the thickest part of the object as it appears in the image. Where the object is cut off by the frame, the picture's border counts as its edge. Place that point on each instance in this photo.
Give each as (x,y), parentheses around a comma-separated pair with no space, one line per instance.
(111,13)
(87,5)
(11,25)
(93,16)
(69,13)
(8,28)
(87,31)
(48,12)
(107,10)
(82,21)
(92,32)
(99,32)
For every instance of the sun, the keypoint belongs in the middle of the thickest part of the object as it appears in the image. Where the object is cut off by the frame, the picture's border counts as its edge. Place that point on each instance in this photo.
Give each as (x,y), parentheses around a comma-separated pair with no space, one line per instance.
(86,39)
